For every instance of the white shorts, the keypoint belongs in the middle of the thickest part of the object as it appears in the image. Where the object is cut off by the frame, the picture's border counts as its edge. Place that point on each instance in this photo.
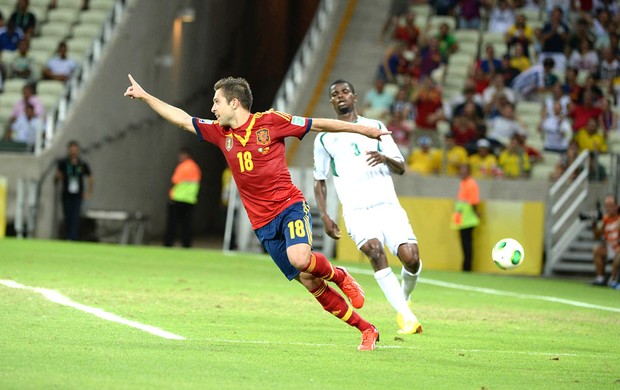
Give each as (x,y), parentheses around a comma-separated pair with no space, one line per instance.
(386,222)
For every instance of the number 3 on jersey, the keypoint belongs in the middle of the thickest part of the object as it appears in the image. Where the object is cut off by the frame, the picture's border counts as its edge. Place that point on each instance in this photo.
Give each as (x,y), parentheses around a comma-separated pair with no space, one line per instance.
(245,161)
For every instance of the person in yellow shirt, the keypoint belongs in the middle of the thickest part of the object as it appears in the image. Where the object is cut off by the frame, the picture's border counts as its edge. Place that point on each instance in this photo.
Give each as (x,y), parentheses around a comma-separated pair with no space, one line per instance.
(518,59)
(483,163)
(424,160)
(590,138)
(514,161)
(183,196)
(452,156)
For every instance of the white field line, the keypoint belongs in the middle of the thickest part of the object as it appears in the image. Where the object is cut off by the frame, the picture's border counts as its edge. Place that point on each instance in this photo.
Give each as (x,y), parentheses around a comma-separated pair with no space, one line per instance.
(57,297)
(379,346)
(500,292)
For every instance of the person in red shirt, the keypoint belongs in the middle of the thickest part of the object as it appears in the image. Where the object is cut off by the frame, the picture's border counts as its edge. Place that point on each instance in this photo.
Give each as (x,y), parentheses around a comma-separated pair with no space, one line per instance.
(428,109)
(581,113)
(253,145)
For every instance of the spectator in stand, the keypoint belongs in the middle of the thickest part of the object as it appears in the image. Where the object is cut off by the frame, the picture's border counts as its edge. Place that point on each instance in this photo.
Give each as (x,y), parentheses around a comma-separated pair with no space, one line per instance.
(508,70)
(581,113)
(557,95)
(468,93)
(469,15)
(22,65)
(519,60)
(501,17)
(601,24)
(514,161)
(401,129)
(609,67)
(405,30)
(26,128)
(490,64)
(483,163)
(469,96)
(464,126)
(447,42)
(585,59)
(402,104)
(23,19)
(443,7)
(609,118)
(571,87)
(505,126)
(591,86)
(29,98)
(591,138)
(430,56)
(553,39)
(452,156)
(581,32)
(429,109)
(606,39)
(424,160)
(377,101)
(498,88)
(10,37)
(566,160)
(520,33)
(59,67)
(394,63)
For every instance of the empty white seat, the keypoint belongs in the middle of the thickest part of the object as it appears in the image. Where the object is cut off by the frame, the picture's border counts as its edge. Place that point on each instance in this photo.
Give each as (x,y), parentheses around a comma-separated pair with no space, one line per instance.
(97,16)
(14,85)
(101,4)
(86,30)
(63,15)
(50,87)
(74,4)
(45,43)
(56,29)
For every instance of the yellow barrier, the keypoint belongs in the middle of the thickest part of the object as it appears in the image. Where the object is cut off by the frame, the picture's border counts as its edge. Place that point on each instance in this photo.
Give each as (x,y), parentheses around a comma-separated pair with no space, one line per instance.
(440,247)
(2,206)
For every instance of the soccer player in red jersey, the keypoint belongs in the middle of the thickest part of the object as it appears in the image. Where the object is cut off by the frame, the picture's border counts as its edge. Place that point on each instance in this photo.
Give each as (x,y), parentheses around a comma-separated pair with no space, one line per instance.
(253,145)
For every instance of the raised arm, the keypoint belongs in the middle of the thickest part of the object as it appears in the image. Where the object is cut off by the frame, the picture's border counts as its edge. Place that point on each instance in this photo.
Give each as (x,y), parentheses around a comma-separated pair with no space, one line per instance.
(338,126)
(172,114)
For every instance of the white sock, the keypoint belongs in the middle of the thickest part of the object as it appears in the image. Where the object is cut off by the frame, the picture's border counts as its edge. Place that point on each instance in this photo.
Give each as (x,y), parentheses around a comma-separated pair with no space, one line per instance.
(409,281)
(391,288)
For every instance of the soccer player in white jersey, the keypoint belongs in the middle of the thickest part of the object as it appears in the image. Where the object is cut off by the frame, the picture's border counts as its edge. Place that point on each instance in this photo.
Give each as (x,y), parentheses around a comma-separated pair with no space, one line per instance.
(362,169)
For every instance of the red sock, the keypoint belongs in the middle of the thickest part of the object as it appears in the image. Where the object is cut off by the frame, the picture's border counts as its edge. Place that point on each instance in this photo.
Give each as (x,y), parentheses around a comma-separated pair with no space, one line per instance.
(320,267)
(336,305)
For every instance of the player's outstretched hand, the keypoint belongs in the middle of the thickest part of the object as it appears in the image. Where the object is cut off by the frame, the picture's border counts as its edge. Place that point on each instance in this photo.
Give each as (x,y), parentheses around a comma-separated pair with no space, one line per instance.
(134,91)
(374,132)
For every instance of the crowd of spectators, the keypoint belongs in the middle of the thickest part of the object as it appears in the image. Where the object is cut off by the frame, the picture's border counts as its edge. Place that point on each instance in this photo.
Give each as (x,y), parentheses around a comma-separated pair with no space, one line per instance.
(562,56)
(17,31)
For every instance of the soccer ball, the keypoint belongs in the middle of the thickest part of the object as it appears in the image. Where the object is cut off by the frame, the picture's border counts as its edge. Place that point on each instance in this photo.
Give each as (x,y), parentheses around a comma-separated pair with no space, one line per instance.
(508,253)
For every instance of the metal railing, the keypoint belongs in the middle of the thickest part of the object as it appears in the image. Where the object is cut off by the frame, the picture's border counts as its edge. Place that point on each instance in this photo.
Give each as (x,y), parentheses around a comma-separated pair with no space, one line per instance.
(564,200)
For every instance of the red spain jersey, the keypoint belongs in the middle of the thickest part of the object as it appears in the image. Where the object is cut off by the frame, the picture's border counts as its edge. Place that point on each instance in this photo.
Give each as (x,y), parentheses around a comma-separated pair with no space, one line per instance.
(255,153)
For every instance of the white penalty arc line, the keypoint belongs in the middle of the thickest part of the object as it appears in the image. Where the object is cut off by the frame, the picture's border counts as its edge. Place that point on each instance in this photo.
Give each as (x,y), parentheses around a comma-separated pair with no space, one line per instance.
(502,293)
(56,297)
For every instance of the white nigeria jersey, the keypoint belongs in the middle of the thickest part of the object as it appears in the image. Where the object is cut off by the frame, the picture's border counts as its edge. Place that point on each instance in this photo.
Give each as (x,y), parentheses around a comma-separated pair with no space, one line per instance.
(344,156)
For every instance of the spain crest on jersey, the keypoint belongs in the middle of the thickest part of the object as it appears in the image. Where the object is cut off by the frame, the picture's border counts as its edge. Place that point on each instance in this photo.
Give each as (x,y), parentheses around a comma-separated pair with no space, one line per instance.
(229,143)
(262,137)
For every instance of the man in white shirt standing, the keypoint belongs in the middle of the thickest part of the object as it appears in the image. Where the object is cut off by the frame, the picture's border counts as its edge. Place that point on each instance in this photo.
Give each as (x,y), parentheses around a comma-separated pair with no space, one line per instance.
(26,128)
(373,215)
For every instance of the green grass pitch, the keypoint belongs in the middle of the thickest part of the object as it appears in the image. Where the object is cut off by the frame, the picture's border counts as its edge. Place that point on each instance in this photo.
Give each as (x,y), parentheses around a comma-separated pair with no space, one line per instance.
(245,326)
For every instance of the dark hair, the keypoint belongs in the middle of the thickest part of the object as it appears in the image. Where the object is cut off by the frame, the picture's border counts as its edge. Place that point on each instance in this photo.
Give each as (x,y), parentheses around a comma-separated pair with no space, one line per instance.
(72,143)
(548,62)
(236,88)
(342,81)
